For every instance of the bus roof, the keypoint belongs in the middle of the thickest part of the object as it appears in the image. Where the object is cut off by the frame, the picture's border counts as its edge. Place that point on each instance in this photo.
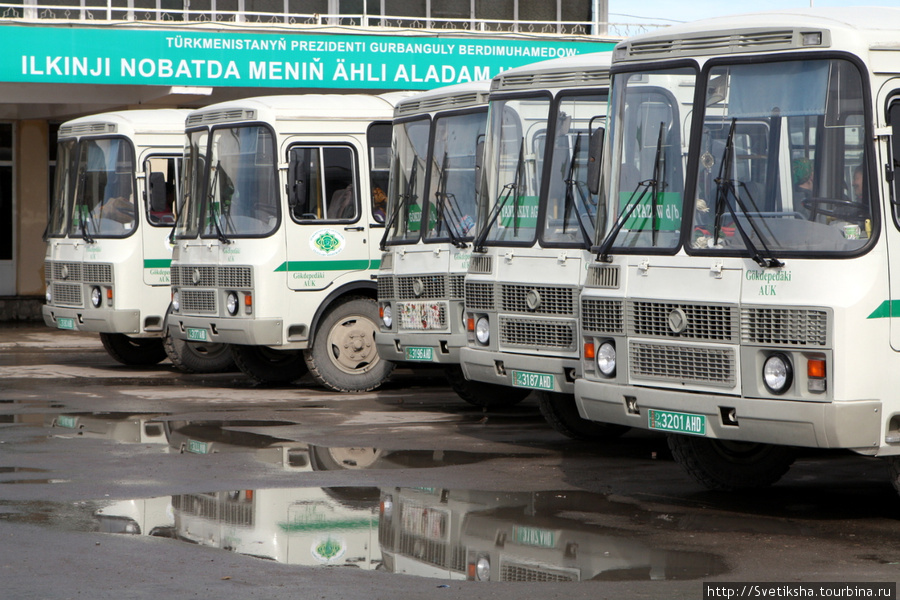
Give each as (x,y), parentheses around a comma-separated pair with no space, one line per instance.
(155,121)
(579,70)
(293,107)
(450,97)
(765,32)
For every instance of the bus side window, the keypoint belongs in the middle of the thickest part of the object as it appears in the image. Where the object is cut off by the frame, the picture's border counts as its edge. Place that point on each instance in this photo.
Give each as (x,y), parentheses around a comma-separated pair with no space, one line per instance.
(894,166)
(160,189)
(322,185)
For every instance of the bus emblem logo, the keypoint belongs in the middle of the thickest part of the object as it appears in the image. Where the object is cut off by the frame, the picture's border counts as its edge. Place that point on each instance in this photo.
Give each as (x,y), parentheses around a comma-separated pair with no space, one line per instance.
(418,287)
(533,300)
(195,276)
(326,242)
(677,321)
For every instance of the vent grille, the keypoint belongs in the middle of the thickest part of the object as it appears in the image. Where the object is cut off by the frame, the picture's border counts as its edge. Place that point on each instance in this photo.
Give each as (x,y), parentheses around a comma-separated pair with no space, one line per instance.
(457,287)
(534,574)
(198,301)
(734,42)
(235,277)
(482,265)
(702,321)
(221,116)
(550,300)
(210,276)
(214,508)
(385,287)
(515,81)
(682,364)
(531,333)
(433,287)
(784,326)
(603,277)
(98,273)
(410,107)
(67,294)
(69,271)
(479,296)
(603,316)
(85,128)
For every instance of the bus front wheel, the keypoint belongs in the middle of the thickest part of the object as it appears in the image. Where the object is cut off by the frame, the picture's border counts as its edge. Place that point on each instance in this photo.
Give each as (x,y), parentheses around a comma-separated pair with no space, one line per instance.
(481,394)
(269,366)
(728,465)
(561,412)
(136,352)
(199,357)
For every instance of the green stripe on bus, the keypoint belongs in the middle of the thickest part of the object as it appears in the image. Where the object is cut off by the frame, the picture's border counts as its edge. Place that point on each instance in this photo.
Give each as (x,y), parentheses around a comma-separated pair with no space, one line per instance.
(329,525)
(886,310)
(327,265)
(157,263)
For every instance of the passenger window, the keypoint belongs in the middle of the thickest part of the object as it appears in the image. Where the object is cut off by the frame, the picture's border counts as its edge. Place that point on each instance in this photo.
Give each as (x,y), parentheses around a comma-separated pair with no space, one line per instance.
(162,176)
(379,140)
(322,185)
(894,122)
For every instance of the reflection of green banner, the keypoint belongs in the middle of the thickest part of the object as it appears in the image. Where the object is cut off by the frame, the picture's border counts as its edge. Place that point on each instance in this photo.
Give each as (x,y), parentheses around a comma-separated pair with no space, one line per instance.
(288,59)
(415,218)
(668,212)
(524,210)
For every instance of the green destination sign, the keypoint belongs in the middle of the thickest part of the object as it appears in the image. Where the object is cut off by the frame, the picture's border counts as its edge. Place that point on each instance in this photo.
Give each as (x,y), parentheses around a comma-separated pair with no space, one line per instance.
(286,60)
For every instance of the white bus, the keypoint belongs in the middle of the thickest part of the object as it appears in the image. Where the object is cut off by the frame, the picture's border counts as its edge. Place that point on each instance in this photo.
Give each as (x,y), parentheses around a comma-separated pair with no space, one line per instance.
(535,228)
(108,255)
(437,142)
(277,246)
(744,285)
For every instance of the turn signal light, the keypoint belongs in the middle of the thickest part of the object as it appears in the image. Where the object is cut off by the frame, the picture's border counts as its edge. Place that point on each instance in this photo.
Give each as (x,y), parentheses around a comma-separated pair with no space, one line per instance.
(589,350)
(815,375)
(470,324)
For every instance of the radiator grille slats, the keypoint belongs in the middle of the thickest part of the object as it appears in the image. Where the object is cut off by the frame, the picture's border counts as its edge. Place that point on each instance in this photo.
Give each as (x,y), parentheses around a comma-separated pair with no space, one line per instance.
(198,301)
(784,326)
(603,316)
(702,321)
(479,296)
(680,363)
(431,287)
(385,287)
(549,300)
(232,277)
(534,333)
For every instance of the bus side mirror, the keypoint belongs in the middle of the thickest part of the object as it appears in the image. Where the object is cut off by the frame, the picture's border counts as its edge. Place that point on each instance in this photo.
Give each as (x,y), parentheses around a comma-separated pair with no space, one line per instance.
(595,153)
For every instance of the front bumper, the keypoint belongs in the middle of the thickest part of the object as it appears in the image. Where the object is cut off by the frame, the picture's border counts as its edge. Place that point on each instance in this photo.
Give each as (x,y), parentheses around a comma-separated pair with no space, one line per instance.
(243,332)
(409,347)
(93,320)
(530,371)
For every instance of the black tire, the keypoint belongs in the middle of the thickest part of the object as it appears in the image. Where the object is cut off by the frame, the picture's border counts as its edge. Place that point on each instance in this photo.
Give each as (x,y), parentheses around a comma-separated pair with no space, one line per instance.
(199,357)
(266,365)
(561,412)
(893,463)
(140,352)
(727,465)
(481,394)
(343,356)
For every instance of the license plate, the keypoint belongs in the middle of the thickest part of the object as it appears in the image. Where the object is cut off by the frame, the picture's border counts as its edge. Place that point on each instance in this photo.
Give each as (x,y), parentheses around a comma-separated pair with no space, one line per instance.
(534,536)
(196,335)
(64,421)
(534,381)
(65,323)
(420,354)
(195,447)
(665,420)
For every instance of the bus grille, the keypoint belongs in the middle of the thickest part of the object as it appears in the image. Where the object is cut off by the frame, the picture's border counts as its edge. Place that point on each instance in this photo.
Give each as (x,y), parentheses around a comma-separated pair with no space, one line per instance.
(603,277)
(433,287)
(97,273)
(553,300)
(481,264)
(211,276)
(784,326)
(532,333)
(603,316)
(385,287)
(457,286)
(198,301)
(479,296)
(70,271)
(510,571)
(67,294)
(683,364)
(235,277)
(703,321)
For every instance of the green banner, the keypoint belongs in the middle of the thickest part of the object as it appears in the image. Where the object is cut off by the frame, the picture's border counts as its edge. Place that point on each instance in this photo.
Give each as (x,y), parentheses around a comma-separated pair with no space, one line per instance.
(524,209)
(285,60)
(668,212)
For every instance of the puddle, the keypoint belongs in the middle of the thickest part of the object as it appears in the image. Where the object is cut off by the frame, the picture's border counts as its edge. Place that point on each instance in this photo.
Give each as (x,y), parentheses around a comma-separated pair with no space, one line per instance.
(429,532)
(134,428)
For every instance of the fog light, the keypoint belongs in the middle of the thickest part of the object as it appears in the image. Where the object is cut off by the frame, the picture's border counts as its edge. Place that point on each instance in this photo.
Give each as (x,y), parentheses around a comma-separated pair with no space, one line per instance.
(176,301)
(482,331)
(231,303)
(606,359)
(777,373)
(387,316)
(96,297)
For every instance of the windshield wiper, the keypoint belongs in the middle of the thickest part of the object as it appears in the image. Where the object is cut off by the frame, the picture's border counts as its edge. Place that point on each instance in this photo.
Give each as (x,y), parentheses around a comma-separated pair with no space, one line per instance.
(724,186)
(508,192)
(571,186)
(447,206)
(214,215)
(403,201)
(651,185)
(83,212)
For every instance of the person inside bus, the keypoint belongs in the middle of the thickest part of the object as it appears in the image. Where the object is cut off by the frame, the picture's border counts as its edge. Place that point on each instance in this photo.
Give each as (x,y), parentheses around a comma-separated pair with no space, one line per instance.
(802,178)
(859,194)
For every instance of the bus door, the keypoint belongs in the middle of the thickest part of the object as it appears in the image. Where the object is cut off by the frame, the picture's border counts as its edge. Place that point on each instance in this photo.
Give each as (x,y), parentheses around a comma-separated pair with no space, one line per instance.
(162,176)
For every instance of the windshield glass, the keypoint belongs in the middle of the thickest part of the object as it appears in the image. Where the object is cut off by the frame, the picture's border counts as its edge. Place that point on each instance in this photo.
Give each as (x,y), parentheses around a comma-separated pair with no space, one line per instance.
(513,162)
(644,167)
(458,140)
(61,202)
(193,169)
(571,208)
(407,180)
(783,161)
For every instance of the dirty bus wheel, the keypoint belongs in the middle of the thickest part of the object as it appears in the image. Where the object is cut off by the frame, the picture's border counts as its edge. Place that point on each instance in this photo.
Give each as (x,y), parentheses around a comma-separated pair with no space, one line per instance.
(729,465)
(561,413)
(266,365)
(199,357)
(133,351)
(343,356)
(481,394)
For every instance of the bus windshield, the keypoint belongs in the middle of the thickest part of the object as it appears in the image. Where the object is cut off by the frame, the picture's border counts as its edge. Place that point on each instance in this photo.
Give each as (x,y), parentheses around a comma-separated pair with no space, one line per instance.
(451,198)
(782,165)
(513,161)
(95,189)
(407,180)
(230,186)
(644,169)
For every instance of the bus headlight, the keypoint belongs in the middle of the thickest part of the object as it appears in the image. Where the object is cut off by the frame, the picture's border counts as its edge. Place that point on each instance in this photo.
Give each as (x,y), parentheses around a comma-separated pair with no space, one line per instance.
(483,569)
(231,303)
(606,359)
(777,373)
(482,331)
(96,297)
(49,296)
(387,316)
(176,301)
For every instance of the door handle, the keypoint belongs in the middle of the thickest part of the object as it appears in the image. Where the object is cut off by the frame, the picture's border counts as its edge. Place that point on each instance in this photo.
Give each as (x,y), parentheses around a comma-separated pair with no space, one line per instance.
(358,228)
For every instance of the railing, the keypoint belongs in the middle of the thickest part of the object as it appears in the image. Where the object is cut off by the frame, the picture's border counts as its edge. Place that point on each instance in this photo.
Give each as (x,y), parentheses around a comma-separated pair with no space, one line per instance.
(280,12)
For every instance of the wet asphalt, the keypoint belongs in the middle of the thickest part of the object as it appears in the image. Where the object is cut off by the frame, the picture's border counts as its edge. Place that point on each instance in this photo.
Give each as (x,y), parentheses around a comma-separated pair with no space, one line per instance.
(122,482)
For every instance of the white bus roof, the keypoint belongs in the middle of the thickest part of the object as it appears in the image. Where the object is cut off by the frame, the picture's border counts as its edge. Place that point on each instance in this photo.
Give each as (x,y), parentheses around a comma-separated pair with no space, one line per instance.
(579,70)
(450,97)
(875,27)
(294,107)
(154,121)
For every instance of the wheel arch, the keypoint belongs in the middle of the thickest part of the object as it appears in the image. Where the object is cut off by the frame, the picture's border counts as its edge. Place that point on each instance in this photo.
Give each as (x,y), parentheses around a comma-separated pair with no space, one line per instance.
(353,288)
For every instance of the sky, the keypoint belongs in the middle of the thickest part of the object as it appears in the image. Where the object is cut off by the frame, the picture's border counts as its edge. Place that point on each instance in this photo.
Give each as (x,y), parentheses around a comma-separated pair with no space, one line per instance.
(666,11)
